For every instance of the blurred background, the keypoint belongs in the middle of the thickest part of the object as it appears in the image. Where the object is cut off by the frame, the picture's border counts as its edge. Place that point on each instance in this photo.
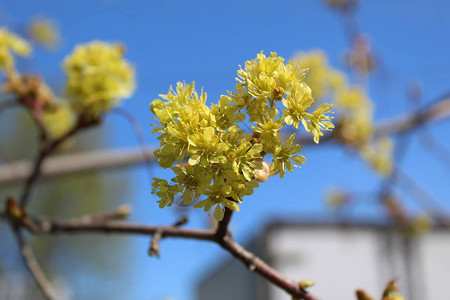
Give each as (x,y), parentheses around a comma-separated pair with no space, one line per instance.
(205,42)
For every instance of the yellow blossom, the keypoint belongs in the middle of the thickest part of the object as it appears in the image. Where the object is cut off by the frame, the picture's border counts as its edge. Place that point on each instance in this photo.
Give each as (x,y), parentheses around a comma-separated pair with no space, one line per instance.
(58,119)
(355,109)
(337,197)
(11,43)
(322,79)
(44,32)
(98,78)
(223,163)
(353,99)
(379,155)
(356,115)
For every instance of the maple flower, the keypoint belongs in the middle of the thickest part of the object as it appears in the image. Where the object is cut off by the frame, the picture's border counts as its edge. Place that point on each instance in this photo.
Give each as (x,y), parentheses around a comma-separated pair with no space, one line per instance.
(98,78)
(9,44)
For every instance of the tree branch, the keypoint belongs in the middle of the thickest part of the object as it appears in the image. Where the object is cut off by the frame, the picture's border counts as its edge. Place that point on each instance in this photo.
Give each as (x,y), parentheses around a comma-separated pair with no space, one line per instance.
(82,226)
(32,178)
(434,112)
(154,244)
(222,228)
(77,162)
(46,148)
(432,206)
(257,265)
(33,266)
(254,263)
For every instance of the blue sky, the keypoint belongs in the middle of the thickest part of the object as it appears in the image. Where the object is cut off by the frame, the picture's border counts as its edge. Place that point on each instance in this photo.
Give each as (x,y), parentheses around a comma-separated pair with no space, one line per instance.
(205,41)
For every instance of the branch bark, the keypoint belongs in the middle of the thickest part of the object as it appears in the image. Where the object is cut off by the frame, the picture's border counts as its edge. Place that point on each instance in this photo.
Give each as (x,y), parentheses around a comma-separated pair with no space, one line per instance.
(434,112)
(258,266)
(33,266)
(46,148)
(222,228)
(77,162)
(226,241)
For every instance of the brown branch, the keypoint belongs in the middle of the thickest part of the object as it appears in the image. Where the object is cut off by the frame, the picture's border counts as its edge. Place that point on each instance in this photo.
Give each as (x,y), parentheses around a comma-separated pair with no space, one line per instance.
(32,178)
(434,147)
(80,226)
(138,132)
(422,196)
(434,112)
(222,228)
(257,265)
(33,266)
(226,242)
(46,148)
(181,221)
(154,244)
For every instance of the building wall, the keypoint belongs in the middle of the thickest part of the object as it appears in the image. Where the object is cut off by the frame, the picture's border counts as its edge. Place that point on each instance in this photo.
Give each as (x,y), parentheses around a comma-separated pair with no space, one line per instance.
(340,259)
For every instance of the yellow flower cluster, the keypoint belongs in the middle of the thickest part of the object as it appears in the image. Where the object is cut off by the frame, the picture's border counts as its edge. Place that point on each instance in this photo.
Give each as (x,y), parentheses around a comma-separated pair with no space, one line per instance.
(355,108)
(336,197)
(356,115)
(44,32)
(11,43)
(97,78)
(58,119)
(224,164)
(321,78)
(378,153)
(265,81)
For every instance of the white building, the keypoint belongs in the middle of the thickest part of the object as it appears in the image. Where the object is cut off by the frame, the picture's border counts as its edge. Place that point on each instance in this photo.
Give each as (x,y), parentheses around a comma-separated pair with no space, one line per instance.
(340,259)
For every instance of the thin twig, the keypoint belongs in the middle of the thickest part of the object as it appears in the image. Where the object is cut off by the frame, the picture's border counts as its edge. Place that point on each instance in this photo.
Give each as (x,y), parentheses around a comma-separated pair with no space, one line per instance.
(46,148)
(32,178)
(181,221)
(154,243)
(138,132)
(257,265)
(422,196)
(434,147)
(120,213)
(434,112)
(33,266)
(78,226)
